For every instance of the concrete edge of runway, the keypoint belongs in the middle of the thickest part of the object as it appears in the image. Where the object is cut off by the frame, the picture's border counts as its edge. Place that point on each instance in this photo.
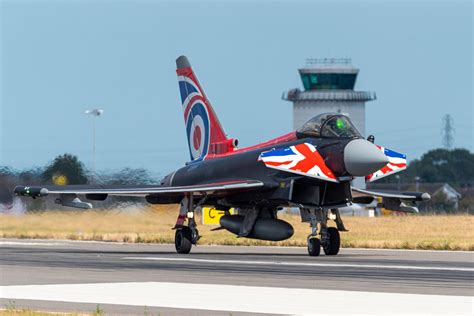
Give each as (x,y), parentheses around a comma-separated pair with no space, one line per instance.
(74,274)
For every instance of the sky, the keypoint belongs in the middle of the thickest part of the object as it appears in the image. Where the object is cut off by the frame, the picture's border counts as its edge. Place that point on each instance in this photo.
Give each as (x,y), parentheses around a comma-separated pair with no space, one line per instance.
(60,58)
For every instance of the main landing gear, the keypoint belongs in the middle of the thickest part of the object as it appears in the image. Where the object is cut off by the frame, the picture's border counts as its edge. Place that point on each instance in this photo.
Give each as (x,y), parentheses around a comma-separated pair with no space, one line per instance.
(182,240)
(186,236)
(330,239)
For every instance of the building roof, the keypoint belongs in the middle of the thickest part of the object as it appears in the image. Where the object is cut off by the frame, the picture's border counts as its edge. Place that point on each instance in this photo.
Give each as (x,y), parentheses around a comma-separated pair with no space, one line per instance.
(329,65)
(449,191)
(336,95)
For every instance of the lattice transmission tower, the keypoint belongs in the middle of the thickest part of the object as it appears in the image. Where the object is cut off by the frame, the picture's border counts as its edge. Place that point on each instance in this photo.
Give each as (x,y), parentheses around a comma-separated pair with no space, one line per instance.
(448,132)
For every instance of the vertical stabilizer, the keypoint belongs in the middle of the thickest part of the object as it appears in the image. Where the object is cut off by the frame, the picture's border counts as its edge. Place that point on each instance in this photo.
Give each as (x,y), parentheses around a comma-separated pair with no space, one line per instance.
(206,137)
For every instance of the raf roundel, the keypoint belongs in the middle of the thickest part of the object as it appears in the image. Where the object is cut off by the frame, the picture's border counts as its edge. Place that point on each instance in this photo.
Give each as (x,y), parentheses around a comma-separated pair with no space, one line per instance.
(197,137)
(197,128)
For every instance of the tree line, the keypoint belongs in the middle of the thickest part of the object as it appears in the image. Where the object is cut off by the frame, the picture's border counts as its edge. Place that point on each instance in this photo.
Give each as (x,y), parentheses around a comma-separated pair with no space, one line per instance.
(455,167)
(63,170)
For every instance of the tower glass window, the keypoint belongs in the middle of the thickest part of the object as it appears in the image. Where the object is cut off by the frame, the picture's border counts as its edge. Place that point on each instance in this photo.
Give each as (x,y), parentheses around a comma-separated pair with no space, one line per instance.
(328,81)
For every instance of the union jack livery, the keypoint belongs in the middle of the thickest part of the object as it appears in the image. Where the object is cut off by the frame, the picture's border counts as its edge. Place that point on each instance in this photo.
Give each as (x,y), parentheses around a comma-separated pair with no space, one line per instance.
(300,159)
(396,162)
(310,169)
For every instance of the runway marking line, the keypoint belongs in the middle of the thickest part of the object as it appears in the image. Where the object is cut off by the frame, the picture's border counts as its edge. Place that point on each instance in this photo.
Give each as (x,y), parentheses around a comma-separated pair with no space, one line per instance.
(238,298)
(302,264)
(31,243)
(62,242)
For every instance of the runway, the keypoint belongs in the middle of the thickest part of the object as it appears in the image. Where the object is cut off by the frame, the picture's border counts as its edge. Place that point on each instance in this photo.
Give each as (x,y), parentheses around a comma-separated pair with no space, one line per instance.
(138,278)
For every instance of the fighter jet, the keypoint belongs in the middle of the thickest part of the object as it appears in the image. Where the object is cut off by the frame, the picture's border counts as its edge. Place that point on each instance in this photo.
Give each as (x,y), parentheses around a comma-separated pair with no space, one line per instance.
(310,169)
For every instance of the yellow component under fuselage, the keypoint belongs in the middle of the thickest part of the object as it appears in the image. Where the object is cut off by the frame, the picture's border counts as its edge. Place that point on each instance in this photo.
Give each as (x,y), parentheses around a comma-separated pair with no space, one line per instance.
(211,215)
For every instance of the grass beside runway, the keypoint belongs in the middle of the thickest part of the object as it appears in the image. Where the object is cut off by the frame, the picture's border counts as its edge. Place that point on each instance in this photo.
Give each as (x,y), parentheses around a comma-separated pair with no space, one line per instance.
(27,312)
(153,225)
(11,311)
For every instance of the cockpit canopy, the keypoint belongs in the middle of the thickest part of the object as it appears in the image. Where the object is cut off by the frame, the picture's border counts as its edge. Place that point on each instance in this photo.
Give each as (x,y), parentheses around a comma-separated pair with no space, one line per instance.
(329,125)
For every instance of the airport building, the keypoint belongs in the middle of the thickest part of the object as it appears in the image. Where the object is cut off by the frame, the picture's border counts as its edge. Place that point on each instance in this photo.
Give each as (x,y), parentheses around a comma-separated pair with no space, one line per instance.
(329,87)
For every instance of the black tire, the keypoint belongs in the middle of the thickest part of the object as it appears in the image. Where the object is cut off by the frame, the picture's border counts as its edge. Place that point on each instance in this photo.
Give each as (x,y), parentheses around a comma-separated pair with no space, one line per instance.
(182,240)
(195,237)
(314,247)
(332,248)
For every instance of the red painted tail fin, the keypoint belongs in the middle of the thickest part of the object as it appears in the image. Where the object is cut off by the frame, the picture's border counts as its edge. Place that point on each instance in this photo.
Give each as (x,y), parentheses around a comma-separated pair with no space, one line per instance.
(206,137)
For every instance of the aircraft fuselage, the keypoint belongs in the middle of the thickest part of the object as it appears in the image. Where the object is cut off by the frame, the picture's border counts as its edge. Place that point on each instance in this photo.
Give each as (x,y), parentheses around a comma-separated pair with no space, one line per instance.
(281,188)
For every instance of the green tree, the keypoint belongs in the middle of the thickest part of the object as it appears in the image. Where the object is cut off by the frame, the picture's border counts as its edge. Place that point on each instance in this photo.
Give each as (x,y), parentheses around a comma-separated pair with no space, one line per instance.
(129,176)
(67,166)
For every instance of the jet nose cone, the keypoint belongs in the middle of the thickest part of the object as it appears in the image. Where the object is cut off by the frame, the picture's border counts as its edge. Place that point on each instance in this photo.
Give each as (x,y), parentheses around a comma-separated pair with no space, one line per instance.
(362,158)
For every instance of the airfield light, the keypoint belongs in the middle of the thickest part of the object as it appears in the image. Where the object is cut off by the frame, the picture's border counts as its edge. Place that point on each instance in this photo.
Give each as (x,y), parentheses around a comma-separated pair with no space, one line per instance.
(95,113)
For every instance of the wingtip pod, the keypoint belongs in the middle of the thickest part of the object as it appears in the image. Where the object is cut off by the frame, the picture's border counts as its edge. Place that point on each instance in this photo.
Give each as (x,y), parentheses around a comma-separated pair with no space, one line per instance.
(182,62)
(425,196)
(303,159)
(33,192)
(396,162)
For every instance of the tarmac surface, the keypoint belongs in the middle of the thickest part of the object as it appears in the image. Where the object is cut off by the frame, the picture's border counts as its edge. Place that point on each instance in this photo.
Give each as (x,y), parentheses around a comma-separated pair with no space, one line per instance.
(144,278)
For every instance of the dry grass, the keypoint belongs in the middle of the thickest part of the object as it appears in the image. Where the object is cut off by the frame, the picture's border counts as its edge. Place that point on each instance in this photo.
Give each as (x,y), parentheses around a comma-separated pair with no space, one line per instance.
(153,225)
(27,312)
(11,310)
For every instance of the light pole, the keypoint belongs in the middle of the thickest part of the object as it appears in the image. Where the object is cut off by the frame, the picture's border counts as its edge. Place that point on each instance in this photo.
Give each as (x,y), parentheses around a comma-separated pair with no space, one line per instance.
(417,183)
(399,184)
(95,113)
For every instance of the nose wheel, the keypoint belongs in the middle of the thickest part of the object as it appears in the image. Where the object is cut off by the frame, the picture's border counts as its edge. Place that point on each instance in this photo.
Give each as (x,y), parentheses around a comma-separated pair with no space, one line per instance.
(314,246)
(332,243)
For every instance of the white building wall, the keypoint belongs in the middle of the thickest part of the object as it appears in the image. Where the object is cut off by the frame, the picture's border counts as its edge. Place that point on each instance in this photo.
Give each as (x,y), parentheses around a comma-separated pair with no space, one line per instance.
(304,110)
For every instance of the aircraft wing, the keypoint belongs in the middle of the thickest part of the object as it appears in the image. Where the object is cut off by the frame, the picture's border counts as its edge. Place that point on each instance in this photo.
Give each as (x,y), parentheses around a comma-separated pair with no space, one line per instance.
(138,191)
(68,193)
(391,200)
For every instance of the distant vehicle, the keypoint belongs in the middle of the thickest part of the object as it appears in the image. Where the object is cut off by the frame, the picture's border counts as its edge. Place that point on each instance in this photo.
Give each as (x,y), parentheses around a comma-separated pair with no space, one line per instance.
(310,168)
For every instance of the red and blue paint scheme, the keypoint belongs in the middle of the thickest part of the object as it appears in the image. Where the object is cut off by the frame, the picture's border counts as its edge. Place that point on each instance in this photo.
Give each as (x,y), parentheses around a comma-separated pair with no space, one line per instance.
(206,137)
(396,162)
(310,169)
(203,128)
(301,159)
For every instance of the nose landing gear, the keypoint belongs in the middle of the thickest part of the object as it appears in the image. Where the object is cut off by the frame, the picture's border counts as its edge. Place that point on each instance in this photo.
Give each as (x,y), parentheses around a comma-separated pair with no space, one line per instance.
(330,239)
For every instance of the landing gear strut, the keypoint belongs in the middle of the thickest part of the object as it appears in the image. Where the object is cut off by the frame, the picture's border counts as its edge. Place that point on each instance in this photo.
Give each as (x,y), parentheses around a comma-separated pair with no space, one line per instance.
(186,236)
(330,239)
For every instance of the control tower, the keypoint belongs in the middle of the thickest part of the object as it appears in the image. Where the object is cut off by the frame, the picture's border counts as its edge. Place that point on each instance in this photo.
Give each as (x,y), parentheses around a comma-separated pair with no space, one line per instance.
(329,87)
